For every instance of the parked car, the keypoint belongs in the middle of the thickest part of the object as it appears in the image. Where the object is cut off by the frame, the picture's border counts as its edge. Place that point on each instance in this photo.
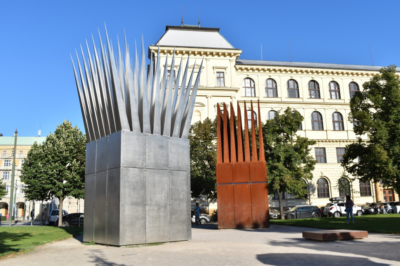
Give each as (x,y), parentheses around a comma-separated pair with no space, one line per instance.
(204,218)
(395,207)
(337,208)
(274,214)
(323,211)
(54,215)
(303,211)
(72,219)
(368,209)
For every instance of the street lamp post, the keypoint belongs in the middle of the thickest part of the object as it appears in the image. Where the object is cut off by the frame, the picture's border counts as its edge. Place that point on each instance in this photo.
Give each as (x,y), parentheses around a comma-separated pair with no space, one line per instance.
(12,180)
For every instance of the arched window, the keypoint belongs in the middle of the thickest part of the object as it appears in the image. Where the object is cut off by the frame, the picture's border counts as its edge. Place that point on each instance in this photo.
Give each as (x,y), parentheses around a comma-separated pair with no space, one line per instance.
(313,89)
(249,88)
(353,87)
(323,188)
(271,89)
(334,90)
(316,120)
(196,117)
(293,89)
(344,187)
(249,118)
(337,121)
(365,189)
(271,114)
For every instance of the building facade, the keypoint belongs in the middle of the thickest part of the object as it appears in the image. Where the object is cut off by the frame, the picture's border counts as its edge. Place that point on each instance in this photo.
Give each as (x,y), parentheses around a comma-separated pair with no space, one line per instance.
(320,92)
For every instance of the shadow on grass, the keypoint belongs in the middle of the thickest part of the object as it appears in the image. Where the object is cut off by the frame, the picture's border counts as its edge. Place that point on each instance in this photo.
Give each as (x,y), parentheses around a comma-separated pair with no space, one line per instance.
(286,259)
(7,239)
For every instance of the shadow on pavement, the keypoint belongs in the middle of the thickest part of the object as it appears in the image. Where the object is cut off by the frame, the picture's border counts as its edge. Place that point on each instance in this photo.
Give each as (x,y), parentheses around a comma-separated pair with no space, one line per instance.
(286,259)
(210,226)
(97,257)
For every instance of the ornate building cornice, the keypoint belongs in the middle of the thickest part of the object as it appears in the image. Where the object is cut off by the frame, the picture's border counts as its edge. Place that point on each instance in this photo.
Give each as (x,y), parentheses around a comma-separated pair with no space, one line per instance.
(195,51)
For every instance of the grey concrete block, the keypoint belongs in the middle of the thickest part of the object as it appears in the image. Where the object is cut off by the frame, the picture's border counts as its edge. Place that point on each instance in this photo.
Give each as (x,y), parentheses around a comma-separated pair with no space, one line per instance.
(157,152)
(113,206)
(101,154)
(133,148)
(133,206)
(114,150)
(90,165)
(179,154)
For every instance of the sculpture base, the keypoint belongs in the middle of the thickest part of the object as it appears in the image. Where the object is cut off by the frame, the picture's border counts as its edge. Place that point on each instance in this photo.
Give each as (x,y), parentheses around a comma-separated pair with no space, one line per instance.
(137,189)
(333,235)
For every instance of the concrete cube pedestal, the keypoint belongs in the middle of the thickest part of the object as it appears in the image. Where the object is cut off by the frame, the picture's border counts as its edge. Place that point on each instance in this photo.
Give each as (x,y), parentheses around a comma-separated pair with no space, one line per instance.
(137,189)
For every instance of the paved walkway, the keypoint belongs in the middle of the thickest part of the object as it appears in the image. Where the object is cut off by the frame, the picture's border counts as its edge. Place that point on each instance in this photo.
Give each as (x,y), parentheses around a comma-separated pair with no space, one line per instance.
(278,245)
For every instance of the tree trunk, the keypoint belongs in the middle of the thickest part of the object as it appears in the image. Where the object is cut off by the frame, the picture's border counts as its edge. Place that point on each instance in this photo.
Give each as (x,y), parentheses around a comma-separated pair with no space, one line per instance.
(281,205)
(60,212)
(41,214)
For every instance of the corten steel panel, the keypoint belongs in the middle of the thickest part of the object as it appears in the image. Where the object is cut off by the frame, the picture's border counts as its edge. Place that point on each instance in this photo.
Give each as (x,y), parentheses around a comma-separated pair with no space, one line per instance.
(133,146)
(259,199)
(113,206)
(224,173)
(226,210)
(133,207)
(157,210)
(241,172)
(114,150)
(90,165)
(179,212)
(179,154)
(258,171)
(88,226)
(157,152)
(333,235)
(100,216)
(101,154)
(242,199)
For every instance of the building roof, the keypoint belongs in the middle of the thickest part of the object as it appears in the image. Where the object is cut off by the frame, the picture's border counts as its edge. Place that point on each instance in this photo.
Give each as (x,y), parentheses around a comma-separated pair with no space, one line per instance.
(308,65)
(21,141)
(193,36)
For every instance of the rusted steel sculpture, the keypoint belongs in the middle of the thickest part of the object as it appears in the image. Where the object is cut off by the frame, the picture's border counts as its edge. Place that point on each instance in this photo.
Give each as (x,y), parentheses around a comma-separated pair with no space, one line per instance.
(241,172)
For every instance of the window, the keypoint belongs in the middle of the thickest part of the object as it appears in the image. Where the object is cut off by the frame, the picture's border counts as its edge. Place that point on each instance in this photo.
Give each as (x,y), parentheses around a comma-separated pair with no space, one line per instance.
(337,120)
(169,74)
(7,162)
(339,154)
(220,79)
(6,175)
(316,120)
(7,188)
(22,162)
(293,89)
(301,124)
(323,188)
(249,88)
(4,153)
(313,89)
(355,123)
(271,114)
(20,152)
(320,155)
(271,89)
(365,189)
(12,153)
(249,118)
(334,90)
(353,87)
(344,187)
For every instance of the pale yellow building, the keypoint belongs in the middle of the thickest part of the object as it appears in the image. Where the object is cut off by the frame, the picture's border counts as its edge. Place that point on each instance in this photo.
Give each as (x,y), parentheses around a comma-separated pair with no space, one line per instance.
(320,92)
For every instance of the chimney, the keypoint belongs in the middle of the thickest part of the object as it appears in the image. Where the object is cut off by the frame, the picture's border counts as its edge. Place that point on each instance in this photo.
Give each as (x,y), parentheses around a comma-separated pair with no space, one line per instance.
(39,132)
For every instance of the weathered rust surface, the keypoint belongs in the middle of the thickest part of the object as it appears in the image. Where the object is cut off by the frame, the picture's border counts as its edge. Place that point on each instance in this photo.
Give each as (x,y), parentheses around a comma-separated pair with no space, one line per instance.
(242,192)
(333,235)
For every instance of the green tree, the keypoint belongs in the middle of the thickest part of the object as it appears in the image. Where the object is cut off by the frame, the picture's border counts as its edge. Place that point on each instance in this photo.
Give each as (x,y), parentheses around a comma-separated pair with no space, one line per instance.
(57,167)
(203,158)
(289,162)
(3,191)
(375,113)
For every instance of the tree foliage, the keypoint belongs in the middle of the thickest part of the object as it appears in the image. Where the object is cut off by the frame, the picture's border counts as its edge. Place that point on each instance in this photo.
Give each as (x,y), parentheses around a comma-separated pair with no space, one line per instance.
(288,157)
(203,158)
(3,191)
(376,112)
(57,167)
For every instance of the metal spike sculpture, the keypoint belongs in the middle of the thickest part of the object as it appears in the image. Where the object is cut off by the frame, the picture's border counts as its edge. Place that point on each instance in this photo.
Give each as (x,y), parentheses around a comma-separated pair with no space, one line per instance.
(137,187)
(241,175)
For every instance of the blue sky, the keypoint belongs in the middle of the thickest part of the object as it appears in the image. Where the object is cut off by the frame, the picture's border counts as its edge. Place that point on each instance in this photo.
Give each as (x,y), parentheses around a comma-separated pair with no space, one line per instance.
(36,79)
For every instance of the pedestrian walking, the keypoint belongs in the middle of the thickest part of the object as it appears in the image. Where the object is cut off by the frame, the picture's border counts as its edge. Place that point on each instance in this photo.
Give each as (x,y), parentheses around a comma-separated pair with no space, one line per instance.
(383,209)
(197,213)
(349,208)
(8,216)
(32,214)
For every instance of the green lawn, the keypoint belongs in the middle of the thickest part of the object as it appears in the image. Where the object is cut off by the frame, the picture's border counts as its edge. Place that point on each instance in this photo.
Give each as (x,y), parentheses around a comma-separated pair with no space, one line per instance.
(382,223)
(21,239)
